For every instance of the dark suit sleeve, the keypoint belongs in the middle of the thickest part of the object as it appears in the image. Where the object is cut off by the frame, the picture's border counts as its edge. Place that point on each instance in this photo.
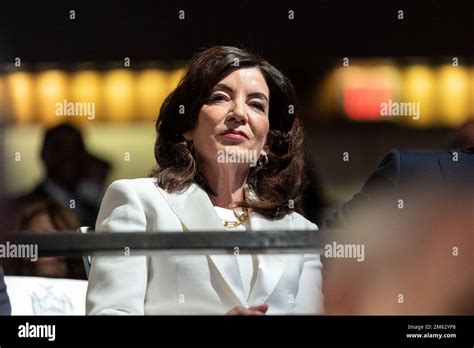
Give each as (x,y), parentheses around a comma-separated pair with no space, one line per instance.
(5,308)
(385,179)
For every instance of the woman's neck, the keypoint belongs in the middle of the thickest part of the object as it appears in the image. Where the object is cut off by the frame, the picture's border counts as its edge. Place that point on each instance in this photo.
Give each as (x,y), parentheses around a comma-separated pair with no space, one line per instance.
(228,182)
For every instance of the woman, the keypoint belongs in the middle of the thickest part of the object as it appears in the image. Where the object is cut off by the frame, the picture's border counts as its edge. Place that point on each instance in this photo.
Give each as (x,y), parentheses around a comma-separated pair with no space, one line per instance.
(229,157)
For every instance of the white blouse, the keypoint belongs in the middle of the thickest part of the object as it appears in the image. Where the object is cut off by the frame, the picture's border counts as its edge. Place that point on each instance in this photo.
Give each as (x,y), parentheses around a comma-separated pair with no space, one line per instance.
(246,262)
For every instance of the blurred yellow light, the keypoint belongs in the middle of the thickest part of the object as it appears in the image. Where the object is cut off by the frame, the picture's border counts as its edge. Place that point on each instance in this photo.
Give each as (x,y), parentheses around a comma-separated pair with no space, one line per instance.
(388,76)
(19,96)
(418,87)
(152,89)
(174,78)
(325,101)
(453,95)
(3,102)
(471,87)
(51,90)
(353,77)
(85,88)
(119,95)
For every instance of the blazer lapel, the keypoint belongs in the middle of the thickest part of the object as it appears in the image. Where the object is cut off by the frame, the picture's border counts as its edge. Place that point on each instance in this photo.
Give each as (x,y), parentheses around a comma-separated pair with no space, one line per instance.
(196,212)
(194,209)
(270,267)
(229,270)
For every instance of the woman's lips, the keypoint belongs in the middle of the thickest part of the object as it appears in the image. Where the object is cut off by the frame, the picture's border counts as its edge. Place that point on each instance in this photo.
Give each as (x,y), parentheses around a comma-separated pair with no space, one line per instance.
(234,136)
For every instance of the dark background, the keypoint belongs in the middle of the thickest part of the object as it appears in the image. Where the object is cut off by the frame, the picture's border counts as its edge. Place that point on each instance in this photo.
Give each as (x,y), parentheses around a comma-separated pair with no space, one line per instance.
(42,31)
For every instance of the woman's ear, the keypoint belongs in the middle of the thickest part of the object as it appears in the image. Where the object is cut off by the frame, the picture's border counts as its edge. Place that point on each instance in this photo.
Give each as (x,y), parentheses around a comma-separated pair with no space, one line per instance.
(187,135)
(265,150)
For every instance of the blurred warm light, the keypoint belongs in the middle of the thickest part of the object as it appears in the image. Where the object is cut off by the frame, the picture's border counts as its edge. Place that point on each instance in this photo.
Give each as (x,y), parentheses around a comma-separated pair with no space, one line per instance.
(152,89)
(364,89)
(418,87)
(453,94)
(445,94)
(119,95)
(471,87)
(3,100)
(389,79)
(51,89)
(20,96)
(325,98)
(174,78)
(442,95)
(86,88)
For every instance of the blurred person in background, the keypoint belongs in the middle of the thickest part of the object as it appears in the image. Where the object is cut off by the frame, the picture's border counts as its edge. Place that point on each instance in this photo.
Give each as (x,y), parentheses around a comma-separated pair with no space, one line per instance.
(5,308)
(74,177)
(43,217)
(400,169)
(414,215)
(452,167)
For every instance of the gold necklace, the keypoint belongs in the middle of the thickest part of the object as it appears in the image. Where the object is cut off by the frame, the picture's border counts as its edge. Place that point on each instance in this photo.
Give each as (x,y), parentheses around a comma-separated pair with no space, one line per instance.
(241,219)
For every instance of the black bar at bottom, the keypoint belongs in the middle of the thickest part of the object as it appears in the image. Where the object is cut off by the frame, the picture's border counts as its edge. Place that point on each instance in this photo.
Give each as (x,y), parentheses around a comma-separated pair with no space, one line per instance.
(261,330)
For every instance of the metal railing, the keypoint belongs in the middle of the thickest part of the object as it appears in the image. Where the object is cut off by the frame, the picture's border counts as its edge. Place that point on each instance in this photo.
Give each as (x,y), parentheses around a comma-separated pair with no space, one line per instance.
(72,243)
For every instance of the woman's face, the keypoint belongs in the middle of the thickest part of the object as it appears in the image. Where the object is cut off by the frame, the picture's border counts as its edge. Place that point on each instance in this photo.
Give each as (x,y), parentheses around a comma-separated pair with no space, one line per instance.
(234,119)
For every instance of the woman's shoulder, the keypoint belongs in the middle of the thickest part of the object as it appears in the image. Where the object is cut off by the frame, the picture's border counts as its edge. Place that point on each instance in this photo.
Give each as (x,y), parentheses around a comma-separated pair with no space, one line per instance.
(136,183)
(144,189)
(148,184)
(293,220)
(299,219)
(138,187)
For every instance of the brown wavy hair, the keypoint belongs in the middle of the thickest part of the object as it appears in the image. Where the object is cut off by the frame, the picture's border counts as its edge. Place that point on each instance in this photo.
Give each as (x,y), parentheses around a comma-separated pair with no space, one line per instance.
(278,183)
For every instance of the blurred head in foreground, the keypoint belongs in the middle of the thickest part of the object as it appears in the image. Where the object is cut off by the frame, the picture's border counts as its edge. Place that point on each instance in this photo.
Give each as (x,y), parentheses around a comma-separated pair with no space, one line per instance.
(406,254)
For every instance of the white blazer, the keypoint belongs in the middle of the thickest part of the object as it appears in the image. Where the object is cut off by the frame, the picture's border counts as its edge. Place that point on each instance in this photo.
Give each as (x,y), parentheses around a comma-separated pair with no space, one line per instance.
(192,284)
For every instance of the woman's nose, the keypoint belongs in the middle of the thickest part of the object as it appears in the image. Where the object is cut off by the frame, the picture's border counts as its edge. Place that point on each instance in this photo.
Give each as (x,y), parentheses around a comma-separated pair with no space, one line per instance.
(239,113)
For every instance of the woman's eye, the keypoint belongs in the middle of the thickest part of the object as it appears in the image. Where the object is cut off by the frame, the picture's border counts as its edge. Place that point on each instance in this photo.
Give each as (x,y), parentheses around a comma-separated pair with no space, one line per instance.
(259,106)
(217,97)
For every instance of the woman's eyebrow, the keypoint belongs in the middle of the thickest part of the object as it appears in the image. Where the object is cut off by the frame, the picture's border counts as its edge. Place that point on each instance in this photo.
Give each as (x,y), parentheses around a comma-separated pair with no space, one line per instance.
(227,88)
(224,87)
(259,95)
